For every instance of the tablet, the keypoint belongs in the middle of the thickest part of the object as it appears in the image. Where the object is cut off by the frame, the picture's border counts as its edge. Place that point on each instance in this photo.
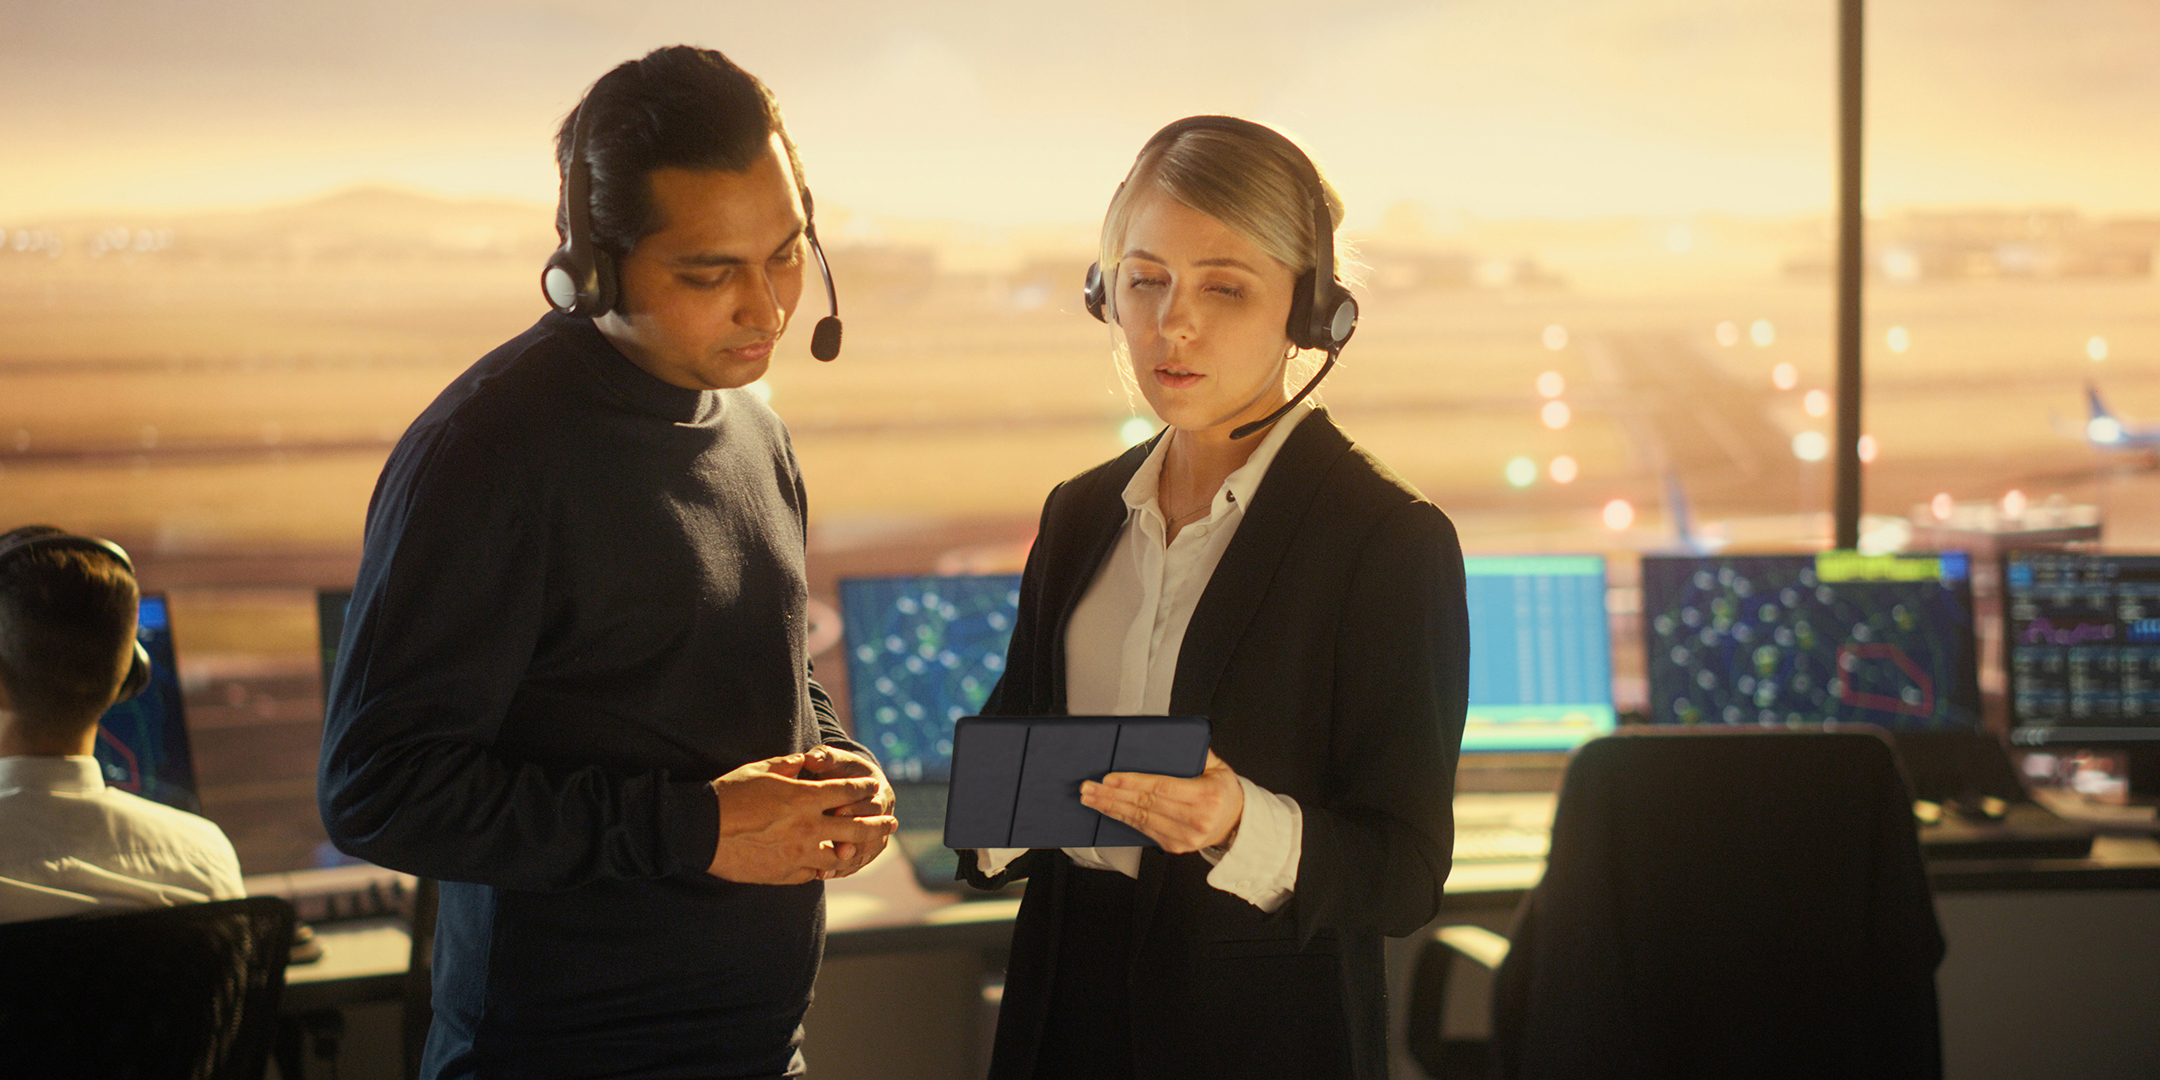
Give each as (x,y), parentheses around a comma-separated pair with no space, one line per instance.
(1016,780)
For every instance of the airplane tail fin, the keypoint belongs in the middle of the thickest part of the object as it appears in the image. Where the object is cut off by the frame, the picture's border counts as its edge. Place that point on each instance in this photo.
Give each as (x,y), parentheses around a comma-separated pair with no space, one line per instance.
(1683,516)
(2099,407)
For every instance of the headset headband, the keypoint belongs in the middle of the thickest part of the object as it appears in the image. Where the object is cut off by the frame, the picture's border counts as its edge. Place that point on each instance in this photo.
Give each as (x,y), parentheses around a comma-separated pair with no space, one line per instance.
(1323,221)
(137,678)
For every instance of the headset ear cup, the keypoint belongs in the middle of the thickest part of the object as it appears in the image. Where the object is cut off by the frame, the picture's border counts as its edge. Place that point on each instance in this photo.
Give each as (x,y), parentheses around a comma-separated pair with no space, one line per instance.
(138,675)
(1095,294)
(1300,328)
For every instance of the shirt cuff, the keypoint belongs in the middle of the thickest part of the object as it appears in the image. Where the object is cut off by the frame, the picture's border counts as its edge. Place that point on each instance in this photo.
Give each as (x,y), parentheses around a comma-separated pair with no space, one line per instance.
(1261,864)
(690,827)
(991,862)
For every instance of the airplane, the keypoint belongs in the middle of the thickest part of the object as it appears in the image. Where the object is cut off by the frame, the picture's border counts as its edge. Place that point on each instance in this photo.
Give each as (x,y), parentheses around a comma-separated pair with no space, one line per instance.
(2104,430)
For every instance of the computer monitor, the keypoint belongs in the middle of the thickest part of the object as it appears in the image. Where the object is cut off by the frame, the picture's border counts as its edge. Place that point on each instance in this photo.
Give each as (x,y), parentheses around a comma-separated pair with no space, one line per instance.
(1783,640)
(330,605)
(142,744)
(1540,653)
(2081,642)
(922,653)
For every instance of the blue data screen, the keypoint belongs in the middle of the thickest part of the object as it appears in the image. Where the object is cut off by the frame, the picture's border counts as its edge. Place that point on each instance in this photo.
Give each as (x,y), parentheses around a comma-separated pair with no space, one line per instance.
(923,652)
(1540,653)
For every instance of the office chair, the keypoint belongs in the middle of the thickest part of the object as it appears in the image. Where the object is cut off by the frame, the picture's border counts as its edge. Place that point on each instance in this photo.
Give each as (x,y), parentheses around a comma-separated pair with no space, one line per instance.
(189,992)
(1716,904)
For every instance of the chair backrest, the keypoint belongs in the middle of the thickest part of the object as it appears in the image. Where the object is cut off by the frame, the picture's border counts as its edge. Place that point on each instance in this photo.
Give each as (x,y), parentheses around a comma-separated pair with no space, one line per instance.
(186,992)
(1726,903)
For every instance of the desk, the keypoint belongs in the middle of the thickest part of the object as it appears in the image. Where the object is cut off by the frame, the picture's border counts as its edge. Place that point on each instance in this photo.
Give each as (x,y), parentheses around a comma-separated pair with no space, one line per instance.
(903,990)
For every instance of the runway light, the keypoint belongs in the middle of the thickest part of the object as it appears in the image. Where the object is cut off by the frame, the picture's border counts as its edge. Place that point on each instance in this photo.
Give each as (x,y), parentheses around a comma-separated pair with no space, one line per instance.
(1728,334)
(1867,449)
(1619,515)
(1555,414)
(1810,446)
(1135,430)
(1555,337)
(1551,384)
(1899,340)
(1562,470)
(1762,333)
(1521,472)
(1816,403)
(761,390)
(1784,376)
(2013,504)
(1941,506)
(2104,429)
(2097,349)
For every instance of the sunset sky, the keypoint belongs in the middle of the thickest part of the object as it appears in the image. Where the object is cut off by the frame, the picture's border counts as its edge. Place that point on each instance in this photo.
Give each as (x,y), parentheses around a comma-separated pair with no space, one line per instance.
(1011,113)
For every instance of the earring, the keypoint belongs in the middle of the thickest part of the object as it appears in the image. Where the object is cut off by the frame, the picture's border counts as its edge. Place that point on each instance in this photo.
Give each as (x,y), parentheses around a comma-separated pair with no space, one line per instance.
(1291,353)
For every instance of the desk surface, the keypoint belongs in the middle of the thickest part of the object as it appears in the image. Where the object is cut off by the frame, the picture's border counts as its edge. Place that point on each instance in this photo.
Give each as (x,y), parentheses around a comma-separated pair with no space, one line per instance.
(884,910)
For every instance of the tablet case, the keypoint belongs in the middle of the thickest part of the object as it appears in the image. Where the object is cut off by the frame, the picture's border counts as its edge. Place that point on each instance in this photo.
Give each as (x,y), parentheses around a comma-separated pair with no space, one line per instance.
(1016,780)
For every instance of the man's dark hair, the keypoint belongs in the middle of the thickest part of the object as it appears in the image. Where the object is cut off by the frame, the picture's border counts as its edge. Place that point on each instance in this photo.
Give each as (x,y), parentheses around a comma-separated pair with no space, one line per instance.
(66,617)
(680,107)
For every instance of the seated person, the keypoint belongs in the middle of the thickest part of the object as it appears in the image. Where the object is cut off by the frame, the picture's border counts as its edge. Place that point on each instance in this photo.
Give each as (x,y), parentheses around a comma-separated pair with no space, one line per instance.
(68,843)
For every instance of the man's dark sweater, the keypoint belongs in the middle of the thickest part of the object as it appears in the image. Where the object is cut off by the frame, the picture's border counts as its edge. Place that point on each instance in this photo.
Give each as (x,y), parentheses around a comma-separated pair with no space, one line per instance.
(581,599)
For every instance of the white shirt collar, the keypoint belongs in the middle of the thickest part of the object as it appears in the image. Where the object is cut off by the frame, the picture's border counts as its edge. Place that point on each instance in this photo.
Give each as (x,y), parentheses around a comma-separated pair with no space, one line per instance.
(74,774)
(1142,491)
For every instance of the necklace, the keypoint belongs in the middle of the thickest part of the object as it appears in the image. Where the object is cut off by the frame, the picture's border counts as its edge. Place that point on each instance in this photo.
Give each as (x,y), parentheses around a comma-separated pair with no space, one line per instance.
(1194,516)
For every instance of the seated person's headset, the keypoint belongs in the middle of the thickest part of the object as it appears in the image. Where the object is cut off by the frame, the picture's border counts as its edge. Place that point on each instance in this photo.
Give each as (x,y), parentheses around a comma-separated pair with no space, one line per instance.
(580,277)
(47,538)
(1323,314)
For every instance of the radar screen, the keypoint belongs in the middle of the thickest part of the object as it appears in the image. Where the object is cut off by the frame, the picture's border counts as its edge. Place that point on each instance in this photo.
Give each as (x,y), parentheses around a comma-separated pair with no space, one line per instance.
(142,745)
(1784,640)
(2082,636)
(923,652)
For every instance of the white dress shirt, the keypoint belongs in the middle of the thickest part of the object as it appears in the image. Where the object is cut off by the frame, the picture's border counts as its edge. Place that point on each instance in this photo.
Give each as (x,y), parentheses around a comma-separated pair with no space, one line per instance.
(69,844)
(1121,654)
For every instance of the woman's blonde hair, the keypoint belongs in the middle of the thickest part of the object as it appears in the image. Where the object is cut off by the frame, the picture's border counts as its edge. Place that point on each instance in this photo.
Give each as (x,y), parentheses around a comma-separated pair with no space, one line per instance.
(1247,183)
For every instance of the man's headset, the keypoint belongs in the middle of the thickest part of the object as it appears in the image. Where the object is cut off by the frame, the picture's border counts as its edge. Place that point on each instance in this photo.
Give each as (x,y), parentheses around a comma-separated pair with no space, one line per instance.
(1323,314)
(138,675)
(580,278)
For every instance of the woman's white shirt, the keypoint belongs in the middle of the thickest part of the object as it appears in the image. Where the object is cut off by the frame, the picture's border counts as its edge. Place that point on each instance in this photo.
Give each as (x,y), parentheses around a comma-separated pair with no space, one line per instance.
(1121,654)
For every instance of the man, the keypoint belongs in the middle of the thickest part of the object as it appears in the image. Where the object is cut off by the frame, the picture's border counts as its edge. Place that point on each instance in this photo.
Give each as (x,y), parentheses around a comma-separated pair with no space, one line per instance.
(68,843)
(581,601)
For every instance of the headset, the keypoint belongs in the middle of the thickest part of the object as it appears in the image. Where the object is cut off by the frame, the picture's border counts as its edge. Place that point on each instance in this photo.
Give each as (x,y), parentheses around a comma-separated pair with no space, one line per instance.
(580,278)
(1323,314)
(138,675)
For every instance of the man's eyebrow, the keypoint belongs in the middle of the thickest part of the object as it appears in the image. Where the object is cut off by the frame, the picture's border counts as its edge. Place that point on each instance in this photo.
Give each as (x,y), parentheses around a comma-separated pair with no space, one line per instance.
(1235,264)
(714,258)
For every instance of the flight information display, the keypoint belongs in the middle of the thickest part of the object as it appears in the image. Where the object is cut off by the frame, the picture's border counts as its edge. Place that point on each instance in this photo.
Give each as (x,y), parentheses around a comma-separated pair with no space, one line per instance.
(2082,638)
(142,745)
(923,652)
(1780,640)
(1540,653)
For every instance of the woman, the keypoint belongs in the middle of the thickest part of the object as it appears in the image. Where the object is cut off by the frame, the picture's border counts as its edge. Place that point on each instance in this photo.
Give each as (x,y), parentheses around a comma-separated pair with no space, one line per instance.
(1283,584)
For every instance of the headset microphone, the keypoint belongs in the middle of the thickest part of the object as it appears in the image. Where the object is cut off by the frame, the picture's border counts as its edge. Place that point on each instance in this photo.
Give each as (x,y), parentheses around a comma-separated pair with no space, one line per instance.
(1323,313)
(825,338)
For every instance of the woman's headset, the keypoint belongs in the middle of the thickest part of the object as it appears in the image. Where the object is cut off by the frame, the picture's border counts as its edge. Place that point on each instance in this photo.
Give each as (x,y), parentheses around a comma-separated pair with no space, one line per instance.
(580,278)
(138,675)
(1323,314)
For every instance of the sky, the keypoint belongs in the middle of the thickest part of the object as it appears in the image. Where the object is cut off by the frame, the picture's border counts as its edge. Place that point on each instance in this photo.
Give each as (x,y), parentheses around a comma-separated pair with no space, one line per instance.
(1014,113)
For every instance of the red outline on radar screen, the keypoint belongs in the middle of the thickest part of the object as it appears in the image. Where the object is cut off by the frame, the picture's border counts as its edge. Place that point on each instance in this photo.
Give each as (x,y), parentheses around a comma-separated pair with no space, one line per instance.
(1883,650)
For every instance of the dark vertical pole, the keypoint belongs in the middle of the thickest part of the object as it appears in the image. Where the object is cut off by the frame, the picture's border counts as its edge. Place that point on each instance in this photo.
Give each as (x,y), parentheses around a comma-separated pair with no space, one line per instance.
(1851,27)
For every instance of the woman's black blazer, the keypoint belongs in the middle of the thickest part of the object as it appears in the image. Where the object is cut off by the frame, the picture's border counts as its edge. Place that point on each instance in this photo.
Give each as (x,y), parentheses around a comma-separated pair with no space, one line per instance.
(1331,652)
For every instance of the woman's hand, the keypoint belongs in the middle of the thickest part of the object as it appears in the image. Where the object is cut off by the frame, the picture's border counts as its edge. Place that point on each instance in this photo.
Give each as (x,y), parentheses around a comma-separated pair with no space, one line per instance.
(1180,814)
